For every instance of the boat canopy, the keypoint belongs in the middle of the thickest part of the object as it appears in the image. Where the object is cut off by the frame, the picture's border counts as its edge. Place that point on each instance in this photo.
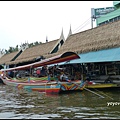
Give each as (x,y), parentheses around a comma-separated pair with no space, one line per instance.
(67,56)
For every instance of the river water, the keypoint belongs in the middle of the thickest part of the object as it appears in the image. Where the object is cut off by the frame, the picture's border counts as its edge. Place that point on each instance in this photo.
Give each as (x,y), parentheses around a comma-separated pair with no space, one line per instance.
(21,104)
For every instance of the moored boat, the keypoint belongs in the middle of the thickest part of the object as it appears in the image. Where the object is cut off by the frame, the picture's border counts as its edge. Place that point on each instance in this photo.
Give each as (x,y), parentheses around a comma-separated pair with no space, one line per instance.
(54,87)
(94,85)
(59,87)
(48,86)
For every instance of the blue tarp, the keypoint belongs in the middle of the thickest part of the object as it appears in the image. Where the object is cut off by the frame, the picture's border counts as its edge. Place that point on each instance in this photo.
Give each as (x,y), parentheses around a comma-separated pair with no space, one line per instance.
(108,55)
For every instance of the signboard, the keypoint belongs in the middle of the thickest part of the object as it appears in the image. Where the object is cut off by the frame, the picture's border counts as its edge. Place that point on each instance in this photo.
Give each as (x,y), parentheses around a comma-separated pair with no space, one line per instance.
(116,2)
(101,11)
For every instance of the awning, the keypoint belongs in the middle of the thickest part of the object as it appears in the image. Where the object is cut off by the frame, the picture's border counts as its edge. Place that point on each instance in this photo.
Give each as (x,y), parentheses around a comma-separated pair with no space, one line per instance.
(108,55)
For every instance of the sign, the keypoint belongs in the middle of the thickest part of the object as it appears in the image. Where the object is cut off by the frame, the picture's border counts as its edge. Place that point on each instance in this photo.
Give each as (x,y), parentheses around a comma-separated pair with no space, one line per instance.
(101,11)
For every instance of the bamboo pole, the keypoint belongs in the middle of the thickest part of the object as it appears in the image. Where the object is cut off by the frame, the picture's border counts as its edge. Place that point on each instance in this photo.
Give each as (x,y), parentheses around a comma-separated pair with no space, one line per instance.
(94,93)
(104,94)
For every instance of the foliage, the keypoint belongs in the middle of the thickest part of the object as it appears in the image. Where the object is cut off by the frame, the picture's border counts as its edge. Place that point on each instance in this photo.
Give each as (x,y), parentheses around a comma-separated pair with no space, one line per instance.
(12,49)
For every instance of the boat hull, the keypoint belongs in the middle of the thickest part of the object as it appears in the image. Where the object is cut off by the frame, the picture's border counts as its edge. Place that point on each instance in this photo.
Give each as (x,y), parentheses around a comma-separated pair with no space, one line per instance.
(51,87)
(60,87)
(100,86)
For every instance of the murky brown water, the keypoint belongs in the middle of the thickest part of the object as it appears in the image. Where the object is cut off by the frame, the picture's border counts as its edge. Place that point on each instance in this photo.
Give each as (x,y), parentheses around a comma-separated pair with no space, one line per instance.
(21,104)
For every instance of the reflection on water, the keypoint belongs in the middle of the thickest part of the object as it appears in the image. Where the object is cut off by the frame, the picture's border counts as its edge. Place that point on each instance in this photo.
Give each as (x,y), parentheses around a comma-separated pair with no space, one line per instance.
(21,104)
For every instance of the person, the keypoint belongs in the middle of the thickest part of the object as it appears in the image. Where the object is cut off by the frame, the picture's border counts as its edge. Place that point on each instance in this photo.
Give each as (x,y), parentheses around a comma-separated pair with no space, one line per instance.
(88,77)
(43,71)
(10,74)
(56,72)
(38,72)
(83,80)
(63,76)
(48,73)
(29,79)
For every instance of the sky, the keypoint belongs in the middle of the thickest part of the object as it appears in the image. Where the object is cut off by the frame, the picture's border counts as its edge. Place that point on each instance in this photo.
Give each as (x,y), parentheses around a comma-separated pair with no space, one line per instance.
(31,21)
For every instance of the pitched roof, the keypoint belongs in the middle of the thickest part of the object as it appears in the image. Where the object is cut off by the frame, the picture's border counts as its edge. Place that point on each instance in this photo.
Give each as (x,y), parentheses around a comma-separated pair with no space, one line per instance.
(98,38)
(30,54)
(8,57)
(102,37)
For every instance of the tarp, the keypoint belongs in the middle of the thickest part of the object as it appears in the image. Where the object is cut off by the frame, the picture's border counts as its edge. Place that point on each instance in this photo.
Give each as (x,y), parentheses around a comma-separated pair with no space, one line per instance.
(107,55)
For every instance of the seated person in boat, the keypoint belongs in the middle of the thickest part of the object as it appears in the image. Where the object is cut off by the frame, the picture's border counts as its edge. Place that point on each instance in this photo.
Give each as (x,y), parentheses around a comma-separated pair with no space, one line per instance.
(43,71)
(77,76)
(50,75)
(63,77)
(11,74)
(54,72)
(38,72)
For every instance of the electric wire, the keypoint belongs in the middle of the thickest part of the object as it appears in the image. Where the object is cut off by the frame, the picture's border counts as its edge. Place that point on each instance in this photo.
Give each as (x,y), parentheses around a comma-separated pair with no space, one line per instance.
(82,25)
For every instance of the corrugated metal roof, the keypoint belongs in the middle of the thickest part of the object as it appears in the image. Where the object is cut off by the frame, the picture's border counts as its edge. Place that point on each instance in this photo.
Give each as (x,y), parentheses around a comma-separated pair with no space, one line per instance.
(107,55)
(108,16)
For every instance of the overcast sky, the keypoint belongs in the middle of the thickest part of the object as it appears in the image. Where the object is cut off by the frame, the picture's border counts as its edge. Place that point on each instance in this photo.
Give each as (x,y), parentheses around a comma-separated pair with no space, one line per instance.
(31,21)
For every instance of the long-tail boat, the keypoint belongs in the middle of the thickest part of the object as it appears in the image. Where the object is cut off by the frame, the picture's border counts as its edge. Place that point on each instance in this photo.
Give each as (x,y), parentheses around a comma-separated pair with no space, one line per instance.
(42,84)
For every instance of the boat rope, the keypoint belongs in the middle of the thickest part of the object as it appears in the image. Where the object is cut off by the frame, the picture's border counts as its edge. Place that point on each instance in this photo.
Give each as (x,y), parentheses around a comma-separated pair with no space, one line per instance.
(104,94)
(94,93)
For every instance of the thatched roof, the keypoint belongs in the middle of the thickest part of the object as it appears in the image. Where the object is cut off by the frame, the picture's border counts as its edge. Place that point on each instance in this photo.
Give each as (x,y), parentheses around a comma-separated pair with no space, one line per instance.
(30,54)
(7,57)
(102,37)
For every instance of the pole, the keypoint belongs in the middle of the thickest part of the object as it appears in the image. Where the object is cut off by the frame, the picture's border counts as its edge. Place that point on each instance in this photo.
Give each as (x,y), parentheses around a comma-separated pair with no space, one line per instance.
(94,93)
(92,22)
(104,94)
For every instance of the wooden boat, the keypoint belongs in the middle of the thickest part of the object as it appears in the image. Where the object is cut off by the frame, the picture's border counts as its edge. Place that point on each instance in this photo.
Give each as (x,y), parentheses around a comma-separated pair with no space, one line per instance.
(53,86)
(93,85)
